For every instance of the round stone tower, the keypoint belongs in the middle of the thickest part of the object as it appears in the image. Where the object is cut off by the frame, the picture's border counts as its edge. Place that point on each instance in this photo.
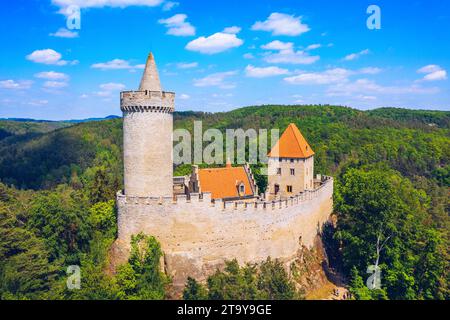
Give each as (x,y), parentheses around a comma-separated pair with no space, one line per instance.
(147,137)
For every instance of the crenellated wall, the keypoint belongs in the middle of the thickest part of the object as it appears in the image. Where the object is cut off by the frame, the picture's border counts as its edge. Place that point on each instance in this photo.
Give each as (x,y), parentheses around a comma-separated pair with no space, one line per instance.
(197,235)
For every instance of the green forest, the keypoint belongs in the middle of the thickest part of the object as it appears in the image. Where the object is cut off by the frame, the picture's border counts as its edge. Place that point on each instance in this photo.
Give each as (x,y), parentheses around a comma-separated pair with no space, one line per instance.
(392,177)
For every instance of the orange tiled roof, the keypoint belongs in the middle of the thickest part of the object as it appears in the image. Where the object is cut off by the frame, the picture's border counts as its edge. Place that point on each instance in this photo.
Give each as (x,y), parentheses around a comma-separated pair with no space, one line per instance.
(223,182)
(292,144)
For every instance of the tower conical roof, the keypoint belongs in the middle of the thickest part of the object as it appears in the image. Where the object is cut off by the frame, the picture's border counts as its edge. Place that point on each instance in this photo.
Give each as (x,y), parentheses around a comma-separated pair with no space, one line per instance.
(150,78)
(292,144)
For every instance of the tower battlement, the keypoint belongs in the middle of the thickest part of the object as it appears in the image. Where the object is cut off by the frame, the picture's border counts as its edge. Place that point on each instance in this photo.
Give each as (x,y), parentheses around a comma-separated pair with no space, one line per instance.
(147,101)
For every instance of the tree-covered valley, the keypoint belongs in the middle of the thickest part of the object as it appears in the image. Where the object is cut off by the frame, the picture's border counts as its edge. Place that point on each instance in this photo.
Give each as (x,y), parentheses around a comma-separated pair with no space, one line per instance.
(392,179)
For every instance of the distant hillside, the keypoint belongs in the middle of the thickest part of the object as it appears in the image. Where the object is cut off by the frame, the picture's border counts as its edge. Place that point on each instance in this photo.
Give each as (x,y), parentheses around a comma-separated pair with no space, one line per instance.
(338,135)
(19,127)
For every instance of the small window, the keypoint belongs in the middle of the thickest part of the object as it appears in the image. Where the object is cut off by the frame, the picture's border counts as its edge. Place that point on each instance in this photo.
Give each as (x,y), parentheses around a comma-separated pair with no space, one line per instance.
(241,188)
(292,160)
(279,159)
(292,172)
(289,189)
(279,171)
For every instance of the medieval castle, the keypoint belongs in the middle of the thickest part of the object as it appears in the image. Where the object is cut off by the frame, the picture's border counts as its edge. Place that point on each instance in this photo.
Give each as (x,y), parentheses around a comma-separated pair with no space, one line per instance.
(216,214)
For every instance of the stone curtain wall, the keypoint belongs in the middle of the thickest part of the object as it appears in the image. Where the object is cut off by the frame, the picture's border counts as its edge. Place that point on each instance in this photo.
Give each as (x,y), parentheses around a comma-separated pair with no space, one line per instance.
(197,235)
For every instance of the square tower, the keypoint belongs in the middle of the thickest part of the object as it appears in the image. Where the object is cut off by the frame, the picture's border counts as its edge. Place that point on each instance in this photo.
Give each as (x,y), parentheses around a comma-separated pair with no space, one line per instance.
(291,165)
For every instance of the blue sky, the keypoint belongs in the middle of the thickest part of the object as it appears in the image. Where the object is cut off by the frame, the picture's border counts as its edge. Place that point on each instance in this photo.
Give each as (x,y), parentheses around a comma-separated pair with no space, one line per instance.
(220,55)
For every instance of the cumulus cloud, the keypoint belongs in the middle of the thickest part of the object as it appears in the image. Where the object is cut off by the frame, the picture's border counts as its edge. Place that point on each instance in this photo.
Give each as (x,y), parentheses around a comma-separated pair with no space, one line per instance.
(232,30)
(64,33)
(354,56)
(82,4)
(48,56)
(287,54)
(282,24)
(55,84)
(218,42)
(107,89)
(313,46)
(248,56)
(330,76)
(17,85)
(169,5)
(112,86)
(216,80)
(255,72)
(370,70)
(278,45)
(366,86)
(433,72)
(319,78)
(184,96)
(116,64)
(178,26)
(187,65)
(37,103)
(52,75)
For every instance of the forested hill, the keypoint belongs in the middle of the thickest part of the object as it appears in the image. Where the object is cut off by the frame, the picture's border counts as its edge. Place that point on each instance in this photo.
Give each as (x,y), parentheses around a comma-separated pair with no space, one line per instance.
(392,179)
(412,142)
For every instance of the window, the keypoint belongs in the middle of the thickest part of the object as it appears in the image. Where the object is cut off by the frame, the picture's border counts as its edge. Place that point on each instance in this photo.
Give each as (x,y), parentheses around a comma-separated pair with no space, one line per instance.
(241,188)
(292,160)
(279,171)
(277,188)
(289,189)
(292,172)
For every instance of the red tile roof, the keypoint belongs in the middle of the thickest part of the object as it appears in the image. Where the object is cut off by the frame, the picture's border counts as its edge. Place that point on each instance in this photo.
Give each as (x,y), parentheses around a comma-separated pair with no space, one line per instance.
(291,144)
(224,182)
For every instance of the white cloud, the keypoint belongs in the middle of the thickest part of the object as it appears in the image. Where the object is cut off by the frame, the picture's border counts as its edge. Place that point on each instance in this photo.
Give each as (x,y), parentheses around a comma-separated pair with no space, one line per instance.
(218,42)
(366,86)
(84,96)
(52,75)
(232,30)
(287,54)
(433,73)
(370,70)
(354,56)
(248,56)
(55,84)
(278,45)
(37,103)
(313,46)
(184,96)
(178,26)
(48,56)
(255,72)
(330,76)
(429,69)
(282,24)
(116,64)
(64,33)
(19,85)
(216,80)
(82,4)
(320,78)
(187,65)
(169,5)
(436,76)
(112,86)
